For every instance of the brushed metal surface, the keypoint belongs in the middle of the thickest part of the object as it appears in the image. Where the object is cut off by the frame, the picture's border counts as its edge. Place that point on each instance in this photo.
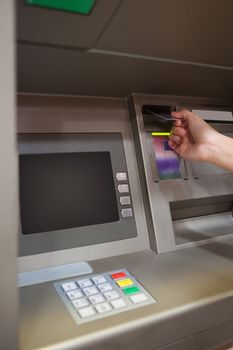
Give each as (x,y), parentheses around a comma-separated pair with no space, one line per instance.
(194,292)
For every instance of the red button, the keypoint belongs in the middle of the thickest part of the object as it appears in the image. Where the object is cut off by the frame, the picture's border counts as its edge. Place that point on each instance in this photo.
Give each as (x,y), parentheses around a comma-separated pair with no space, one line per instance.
(117,275)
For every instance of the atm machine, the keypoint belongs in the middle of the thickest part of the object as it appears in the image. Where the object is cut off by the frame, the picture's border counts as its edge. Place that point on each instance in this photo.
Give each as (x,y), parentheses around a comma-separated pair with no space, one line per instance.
(122,244)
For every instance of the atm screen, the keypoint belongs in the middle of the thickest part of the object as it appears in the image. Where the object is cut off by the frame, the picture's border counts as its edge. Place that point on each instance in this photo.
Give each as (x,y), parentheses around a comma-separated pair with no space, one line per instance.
(60,191)
(167,161)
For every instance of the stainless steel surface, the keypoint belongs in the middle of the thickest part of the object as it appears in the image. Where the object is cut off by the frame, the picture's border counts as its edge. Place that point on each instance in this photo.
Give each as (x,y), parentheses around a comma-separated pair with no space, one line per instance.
(161,194)
(53,273)
(63,114)
(194,293)
(8,183)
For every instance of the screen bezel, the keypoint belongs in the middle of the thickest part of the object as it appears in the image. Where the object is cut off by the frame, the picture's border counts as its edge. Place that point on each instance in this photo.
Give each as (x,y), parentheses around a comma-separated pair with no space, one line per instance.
(82,236)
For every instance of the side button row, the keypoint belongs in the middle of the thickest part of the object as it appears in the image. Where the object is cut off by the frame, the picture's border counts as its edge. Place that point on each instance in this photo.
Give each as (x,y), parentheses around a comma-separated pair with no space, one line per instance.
(124,199)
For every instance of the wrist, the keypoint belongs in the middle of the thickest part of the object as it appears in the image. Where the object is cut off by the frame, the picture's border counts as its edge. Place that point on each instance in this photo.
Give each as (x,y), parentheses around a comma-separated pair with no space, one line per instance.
(219,151)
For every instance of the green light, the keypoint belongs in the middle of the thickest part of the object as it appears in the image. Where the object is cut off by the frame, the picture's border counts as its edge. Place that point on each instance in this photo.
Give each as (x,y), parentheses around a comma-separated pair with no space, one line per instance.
(159,133)
(131,290)
(83,7)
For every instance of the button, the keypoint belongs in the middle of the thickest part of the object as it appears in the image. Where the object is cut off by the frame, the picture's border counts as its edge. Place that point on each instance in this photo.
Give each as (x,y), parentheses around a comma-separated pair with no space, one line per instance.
(99,279)
(75,294)
(118,275)
(127,212)
(125,200)
(111,295)
(90,291)
(80,303)
(86,312)
(119,303)
(105,287)
(101,308)
(121,176)
(131,290)
(124,283)
(96,299)
(84,283)
(138,298)
(69,286)
(123,188)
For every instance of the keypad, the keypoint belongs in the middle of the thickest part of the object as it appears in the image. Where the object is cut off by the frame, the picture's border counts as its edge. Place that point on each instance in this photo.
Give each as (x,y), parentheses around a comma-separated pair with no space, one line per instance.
(100,295)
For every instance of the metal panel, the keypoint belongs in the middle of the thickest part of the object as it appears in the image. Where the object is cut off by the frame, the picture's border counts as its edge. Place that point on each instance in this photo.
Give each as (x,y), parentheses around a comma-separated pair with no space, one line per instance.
(60,71)
(161,194)
(57,114)
(8,183)
(193,288)
(41,25)
(197,31)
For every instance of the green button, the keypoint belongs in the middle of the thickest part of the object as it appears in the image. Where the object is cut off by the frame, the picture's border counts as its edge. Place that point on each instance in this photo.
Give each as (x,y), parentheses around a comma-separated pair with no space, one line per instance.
(83,7)
(131,290)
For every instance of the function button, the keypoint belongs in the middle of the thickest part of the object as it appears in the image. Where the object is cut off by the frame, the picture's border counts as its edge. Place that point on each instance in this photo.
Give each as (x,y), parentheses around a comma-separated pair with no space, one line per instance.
(90,291)
(99,279)
(101,308)
(105,287)
(121,176)
(67,287)
(131,290)
(127,212)
(117,275)
(125,200)
(111,295)
(138,298)
(80,303)
(123,188)
(84,283)
(96,299)
(75,294)
(86,312)
(119,303)
(124,283)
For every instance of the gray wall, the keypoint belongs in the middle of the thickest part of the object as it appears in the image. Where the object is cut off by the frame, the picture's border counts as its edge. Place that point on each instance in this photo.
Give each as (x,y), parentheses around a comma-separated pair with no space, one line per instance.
(8,182)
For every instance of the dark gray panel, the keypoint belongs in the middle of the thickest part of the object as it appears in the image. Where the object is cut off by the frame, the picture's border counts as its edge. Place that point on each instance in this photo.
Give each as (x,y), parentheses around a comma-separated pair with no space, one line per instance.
(42,25)
(199,31)
(53,70)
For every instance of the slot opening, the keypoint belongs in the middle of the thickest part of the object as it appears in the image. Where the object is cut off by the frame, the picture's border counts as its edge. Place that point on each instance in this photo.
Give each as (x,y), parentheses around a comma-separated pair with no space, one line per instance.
(202,219)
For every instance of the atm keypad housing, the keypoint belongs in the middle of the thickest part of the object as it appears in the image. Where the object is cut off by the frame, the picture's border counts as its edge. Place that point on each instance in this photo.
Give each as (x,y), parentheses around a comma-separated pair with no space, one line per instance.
(95,296)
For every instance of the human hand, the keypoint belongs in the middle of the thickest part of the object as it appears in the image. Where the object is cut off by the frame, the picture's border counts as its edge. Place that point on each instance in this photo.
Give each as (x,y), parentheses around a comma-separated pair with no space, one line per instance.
(191,136)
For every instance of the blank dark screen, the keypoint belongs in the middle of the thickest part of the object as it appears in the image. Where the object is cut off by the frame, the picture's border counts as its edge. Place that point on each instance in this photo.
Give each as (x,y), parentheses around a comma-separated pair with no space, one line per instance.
(66,190)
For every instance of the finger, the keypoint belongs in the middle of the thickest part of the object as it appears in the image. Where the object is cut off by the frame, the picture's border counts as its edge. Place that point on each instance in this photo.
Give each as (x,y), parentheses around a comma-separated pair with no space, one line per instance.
(173,145)
(184,114)
(176,139)
(177,122)
(178,131)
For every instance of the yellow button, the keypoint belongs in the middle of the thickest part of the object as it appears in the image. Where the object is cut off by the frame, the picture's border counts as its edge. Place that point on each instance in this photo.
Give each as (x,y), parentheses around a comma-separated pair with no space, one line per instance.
(124,283)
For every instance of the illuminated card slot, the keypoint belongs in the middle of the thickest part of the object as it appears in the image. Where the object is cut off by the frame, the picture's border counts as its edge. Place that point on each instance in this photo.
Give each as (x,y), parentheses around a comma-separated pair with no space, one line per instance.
(159,133)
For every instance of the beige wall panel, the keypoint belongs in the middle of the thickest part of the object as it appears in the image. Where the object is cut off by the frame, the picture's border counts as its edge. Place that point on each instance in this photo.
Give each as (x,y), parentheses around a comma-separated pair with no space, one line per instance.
(8,183)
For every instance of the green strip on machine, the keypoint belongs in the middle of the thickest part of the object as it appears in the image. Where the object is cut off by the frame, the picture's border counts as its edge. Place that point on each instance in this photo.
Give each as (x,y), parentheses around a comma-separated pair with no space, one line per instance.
(83,7)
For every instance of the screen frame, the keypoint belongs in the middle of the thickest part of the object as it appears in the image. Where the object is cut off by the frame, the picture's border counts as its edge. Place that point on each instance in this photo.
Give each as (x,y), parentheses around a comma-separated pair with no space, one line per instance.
(52,241)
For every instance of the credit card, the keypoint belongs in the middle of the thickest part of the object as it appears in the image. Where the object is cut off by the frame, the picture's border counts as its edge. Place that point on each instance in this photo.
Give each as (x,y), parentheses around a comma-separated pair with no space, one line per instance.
(160,115)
